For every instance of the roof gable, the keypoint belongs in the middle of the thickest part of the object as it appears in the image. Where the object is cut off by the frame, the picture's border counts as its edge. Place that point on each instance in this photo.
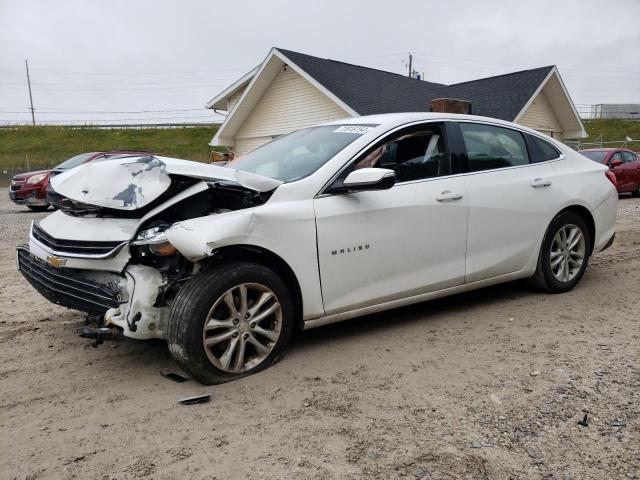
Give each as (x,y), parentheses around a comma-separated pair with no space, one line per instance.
(503,96)
(369,91)
(366,90)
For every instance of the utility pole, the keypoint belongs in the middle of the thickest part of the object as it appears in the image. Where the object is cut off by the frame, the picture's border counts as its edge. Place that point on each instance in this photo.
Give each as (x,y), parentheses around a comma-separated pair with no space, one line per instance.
(410,64)
(33,116)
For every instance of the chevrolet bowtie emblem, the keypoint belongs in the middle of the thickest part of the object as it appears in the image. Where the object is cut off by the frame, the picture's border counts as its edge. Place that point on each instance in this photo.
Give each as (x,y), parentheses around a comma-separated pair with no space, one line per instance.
(56,261)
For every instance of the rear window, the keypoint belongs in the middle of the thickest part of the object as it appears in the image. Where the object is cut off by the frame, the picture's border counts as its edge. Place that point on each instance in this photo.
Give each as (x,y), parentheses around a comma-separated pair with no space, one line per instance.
(547,151)
(596,156)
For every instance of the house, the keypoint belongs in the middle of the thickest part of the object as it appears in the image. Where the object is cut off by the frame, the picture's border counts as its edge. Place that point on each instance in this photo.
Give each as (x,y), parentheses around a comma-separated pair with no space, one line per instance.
(291,90)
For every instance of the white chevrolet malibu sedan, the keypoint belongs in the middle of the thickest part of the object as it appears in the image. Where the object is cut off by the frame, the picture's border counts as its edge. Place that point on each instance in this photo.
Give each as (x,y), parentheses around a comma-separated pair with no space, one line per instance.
(321,225)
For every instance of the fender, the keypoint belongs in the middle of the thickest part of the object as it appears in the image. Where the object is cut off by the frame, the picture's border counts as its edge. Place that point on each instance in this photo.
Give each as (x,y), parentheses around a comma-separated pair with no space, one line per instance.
(287,229)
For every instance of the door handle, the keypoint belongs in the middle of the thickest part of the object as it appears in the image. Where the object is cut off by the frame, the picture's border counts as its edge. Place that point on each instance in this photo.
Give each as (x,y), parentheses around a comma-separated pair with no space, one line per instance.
(541,182)
(447,196)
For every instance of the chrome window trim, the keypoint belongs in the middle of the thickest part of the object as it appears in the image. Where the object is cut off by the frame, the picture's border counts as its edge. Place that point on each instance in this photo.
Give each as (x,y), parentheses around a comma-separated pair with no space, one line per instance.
(109,254)
(322,193)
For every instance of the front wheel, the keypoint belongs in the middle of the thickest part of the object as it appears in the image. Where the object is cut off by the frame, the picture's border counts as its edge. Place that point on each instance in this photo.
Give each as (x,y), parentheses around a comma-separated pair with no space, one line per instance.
(564,254)
(38,208)
(229,322)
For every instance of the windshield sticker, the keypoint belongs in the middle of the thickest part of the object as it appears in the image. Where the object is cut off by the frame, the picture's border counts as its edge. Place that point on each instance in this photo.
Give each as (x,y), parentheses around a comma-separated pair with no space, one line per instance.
(357,129)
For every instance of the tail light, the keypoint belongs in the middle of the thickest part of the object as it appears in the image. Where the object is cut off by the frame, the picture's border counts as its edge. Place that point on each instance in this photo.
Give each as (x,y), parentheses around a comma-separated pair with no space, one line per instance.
(612,177)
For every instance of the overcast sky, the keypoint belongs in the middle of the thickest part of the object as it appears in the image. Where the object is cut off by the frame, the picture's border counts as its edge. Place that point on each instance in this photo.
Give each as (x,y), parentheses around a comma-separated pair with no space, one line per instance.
(168,58)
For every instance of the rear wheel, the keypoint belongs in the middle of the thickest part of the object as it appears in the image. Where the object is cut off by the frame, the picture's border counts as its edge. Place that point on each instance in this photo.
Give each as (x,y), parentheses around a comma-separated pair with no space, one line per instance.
(230,322)
(636,192)
(564,254)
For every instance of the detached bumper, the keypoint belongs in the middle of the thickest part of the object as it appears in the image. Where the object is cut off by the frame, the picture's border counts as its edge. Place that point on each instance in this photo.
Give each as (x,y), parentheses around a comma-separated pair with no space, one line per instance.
(67,287)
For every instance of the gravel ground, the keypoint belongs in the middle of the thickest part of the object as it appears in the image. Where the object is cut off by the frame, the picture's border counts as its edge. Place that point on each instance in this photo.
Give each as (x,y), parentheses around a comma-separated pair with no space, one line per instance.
(484,385)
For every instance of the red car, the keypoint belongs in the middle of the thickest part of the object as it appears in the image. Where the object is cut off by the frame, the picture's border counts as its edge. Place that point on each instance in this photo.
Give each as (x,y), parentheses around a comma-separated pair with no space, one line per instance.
(30,188)
(624,163)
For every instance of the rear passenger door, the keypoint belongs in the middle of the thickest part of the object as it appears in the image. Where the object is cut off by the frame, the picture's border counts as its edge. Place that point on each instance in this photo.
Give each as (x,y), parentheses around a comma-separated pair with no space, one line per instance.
(511,193)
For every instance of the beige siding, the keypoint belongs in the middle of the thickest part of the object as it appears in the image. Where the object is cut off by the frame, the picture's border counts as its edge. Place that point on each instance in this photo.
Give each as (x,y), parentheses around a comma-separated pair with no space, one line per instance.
(233,99)
(290,102)
(540,116)
(244,145)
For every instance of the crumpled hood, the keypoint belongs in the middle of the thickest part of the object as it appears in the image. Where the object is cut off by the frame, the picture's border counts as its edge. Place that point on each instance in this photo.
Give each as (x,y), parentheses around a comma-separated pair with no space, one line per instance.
(134,182)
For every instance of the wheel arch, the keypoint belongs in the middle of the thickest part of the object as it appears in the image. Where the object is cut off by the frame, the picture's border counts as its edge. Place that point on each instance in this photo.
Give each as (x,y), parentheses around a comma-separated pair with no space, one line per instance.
(263,256)
(586,215)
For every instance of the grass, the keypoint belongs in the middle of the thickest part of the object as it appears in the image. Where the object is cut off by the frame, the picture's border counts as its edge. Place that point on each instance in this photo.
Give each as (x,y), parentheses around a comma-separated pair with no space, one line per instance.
(47,146)
(613,130)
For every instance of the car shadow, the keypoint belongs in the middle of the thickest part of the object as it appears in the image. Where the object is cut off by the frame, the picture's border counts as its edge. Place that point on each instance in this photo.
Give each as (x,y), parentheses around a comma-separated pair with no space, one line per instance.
(424,312)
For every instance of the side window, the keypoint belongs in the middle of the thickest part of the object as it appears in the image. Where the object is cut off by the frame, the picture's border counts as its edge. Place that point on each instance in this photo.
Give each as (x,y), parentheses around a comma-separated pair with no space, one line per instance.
(490,147)
(615,156)
(547,150)
(414,154)
(628,157)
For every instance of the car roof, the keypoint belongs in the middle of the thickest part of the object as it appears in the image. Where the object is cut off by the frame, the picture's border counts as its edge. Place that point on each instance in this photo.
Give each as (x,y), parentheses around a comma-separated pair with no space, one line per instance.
(606,149)
(396,119)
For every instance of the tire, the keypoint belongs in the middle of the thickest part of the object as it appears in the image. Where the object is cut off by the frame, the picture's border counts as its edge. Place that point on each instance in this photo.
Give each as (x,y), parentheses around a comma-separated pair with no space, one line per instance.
(636,192)
(197,298)
(550,277)
(38,208)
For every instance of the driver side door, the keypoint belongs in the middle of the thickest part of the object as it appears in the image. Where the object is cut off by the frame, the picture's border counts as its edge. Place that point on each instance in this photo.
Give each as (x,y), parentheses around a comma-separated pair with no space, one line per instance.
(384,245)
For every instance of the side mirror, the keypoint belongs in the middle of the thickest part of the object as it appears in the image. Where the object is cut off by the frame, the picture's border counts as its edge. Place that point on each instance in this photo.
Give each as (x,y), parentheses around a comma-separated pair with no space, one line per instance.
(369,179)
(615,163)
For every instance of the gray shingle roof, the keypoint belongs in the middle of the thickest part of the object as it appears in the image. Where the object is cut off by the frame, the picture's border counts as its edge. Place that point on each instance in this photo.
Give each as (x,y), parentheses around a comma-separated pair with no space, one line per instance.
(369,91)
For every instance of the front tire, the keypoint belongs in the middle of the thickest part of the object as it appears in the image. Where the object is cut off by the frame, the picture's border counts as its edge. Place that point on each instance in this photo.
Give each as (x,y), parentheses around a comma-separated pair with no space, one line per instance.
(38,208)
(229,322)
(564,254)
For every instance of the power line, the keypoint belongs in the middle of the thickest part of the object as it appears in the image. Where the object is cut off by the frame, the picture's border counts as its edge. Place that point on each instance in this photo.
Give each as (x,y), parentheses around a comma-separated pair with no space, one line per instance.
(90,112)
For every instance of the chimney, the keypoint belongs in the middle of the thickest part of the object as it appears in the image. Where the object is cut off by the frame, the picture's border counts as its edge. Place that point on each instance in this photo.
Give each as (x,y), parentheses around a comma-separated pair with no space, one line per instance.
(450,105)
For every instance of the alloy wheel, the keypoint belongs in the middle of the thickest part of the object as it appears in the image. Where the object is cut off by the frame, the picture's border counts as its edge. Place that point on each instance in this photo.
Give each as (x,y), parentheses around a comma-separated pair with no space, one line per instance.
(568,251)
(242,327)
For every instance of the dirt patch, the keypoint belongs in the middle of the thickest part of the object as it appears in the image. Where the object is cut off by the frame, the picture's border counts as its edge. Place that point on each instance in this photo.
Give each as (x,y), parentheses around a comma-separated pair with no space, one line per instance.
(484,385)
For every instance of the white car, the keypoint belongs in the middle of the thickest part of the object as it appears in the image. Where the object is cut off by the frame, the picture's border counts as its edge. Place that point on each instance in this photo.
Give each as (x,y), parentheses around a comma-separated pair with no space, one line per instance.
(321,225)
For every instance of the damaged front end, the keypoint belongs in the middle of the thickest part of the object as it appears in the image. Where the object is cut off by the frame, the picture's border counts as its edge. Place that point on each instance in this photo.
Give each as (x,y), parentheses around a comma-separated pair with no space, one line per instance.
(105,251)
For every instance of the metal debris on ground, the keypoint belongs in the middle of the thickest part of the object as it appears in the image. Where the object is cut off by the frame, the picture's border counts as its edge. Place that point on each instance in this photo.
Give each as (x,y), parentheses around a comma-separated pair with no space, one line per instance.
(99,334)
(583,422)
(194,400)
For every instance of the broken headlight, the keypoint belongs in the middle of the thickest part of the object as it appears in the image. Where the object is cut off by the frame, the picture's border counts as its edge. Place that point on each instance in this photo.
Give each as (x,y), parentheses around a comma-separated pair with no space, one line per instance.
(156,242)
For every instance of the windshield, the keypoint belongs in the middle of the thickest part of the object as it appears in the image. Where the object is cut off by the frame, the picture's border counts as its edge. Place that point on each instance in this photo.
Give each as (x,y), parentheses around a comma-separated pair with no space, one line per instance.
(596,155)
(299,154)
(74,161)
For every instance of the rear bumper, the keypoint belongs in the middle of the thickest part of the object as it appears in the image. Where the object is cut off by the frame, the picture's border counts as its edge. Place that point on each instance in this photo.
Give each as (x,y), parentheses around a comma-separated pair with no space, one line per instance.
(605,221)
(609,243)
